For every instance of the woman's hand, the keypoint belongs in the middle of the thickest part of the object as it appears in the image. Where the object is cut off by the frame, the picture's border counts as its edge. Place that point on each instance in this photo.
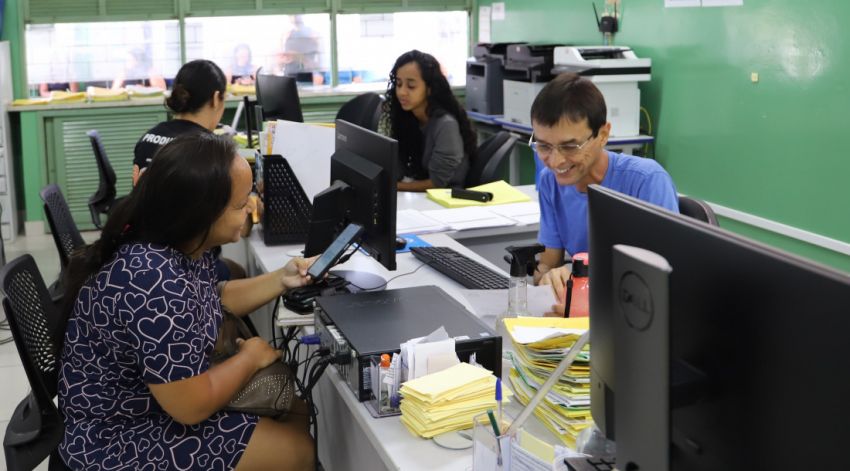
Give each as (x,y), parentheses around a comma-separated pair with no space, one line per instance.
(262,353)
(294,273)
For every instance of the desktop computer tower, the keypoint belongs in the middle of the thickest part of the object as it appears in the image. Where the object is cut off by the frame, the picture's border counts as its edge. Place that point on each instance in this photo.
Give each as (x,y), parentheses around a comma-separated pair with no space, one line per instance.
(362,326)
(286,208)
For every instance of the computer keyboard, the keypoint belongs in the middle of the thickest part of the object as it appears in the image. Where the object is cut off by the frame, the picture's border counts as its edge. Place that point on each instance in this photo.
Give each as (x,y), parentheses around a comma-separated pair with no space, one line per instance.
(460,268)
(605,463)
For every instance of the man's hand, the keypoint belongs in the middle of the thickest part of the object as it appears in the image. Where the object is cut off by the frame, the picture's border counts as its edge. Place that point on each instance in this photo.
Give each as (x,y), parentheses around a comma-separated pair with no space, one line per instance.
(557,279)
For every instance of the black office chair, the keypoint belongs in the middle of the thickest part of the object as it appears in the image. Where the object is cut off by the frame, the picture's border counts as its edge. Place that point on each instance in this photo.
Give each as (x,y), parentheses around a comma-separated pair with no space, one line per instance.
(489,166)
(362,110)
(103,200)
(278,97)
(697,209)
(36,428)
(66,236)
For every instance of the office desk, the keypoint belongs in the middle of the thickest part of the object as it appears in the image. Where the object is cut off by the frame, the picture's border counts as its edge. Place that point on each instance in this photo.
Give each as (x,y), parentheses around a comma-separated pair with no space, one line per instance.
(349,438)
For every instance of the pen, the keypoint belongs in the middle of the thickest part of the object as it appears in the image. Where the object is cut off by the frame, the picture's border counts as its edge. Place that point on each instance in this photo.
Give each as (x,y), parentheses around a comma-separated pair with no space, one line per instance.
(496,431)
(499,398)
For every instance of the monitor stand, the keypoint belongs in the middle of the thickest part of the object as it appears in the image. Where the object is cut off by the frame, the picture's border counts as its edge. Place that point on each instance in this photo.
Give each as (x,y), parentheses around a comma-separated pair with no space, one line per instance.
(361,280)
(641,301)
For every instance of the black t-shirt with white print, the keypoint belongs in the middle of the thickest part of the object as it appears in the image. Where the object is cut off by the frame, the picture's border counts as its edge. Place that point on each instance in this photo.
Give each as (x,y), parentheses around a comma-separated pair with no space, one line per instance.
(160,135)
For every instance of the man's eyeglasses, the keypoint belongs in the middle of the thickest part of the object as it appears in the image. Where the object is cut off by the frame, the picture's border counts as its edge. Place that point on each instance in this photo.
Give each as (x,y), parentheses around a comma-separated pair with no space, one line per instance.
(565,150)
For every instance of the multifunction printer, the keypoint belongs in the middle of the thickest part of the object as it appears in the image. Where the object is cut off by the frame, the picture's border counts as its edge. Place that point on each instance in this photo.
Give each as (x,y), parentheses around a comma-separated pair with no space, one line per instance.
(484,76)
(616,71)
(528,67)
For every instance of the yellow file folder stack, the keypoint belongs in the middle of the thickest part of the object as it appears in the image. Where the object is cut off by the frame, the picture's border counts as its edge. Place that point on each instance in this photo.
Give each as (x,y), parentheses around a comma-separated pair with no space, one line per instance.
(447,400)
(539,345)
(107,94)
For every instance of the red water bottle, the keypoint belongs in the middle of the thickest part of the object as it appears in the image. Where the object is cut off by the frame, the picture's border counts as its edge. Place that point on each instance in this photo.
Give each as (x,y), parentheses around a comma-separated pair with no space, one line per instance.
(577,292)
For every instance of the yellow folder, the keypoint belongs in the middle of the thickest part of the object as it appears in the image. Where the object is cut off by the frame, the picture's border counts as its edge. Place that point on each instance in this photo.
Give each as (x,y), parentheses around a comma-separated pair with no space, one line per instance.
(503,193)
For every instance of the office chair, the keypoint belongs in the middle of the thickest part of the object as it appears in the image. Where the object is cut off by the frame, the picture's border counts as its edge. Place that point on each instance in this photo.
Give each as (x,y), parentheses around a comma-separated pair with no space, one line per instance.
(36,428)
(491,160)
(697,209)
(66,236)
(362,110)
(103,200)
(278,97)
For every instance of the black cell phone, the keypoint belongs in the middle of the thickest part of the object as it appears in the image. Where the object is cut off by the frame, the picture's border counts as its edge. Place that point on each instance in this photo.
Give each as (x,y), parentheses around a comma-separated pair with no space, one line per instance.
(331,255)
(482,196)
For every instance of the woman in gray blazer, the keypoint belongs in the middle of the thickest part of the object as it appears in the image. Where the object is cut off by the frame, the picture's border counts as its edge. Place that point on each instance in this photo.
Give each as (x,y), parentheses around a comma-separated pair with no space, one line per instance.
(436,142)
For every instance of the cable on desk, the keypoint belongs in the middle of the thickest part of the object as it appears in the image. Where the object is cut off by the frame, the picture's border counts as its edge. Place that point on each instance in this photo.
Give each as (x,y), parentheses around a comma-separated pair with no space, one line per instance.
(388,281)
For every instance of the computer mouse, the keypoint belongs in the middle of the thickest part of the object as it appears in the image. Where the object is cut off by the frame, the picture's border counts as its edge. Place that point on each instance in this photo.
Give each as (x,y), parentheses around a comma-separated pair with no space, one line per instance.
(400,243)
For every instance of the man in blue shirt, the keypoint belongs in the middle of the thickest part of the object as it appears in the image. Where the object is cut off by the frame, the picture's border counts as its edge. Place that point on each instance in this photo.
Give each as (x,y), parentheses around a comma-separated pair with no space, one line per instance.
(569,120)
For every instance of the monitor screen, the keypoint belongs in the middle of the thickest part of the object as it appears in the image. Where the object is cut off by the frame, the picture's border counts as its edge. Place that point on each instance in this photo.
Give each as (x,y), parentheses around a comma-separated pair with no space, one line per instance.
(362,191)
(278,97)
(758,350)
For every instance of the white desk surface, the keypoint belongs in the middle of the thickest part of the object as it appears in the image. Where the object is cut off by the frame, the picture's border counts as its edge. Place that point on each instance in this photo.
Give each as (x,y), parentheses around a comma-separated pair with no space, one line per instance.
(349,438)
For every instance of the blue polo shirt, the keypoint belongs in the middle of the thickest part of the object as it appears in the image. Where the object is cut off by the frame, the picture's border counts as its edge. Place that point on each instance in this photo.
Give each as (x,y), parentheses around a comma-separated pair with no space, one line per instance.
(563,209)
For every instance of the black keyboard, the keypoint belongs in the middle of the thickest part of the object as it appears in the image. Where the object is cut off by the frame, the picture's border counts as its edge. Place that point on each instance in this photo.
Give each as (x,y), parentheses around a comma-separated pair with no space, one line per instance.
(605,463)
(460,268)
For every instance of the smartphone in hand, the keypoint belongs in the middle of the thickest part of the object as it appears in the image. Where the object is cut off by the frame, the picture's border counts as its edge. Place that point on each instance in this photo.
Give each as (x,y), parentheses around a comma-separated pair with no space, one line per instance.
(331,255)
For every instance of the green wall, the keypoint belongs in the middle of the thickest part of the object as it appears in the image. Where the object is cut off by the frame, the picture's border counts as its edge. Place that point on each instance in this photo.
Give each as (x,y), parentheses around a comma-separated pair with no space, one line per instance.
(13,33)
(773,148)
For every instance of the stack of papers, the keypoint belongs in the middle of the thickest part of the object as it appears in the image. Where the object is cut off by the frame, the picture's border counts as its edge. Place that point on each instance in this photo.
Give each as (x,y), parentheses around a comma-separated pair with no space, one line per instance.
(447,400)
(459,219)
(530,453)
(242,90)
(411,221)
(503,193)
(67,97)
(31,101)
(540,343)
(55,97)
(107,94)
(138,91)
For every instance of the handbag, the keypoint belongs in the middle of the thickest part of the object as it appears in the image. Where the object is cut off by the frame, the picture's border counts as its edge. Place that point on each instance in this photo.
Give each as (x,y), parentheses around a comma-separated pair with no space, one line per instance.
(271,391)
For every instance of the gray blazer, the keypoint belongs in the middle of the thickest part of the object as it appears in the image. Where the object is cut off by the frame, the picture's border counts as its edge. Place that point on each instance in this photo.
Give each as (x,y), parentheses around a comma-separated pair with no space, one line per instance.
(443,154)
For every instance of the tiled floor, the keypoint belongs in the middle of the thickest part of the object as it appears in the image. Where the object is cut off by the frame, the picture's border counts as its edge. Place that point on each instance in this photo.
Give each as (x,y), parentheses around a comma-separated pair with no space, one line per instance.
(15,386)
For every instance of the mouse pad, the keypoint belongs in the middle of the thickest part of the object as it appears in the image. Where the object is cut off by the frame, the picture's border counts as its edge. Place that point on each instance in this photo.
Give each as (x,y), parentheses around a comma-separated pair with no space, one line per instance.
(412,241)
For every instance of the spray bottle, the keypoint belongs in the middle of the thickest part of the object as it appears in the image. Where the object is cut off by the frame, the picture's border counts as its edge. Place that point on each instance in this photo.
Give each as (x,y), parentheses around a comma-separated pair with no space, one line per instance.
(523,262)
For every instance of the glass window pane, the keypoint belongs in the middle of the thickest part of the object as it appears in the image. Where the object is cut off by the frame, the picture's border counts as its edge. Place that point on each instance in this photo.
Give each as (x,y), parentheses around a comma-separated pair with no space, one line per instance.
(105,54)
(295,45)
(368,45)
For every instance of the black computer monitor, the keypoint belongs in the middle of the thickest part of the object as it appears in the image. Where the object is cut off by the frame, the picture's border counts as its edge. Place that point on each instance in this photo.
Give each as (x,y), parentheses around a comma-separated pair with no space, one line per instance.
(757,343)
(362,191)
(278,97)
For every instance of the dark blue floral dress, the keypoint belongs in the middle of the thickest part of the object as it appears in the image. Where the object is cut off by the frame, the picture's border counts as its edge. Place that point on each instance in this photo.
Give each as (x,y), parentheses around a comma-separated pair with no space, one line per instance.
(150,316)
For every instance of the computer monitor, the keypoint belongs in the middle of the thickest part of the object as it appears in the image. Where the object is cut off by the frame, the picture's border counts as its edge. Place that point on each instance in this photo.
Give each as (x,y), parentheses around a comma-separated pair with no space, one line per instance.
(362,191)
(758,349)
(278,97)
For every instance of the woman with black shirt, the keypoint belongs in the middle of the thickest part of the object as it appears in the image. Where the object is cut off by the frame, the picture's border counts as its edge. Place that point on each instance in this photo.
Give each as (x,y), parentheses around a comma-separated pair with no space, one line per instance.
(435,139)
(197,101)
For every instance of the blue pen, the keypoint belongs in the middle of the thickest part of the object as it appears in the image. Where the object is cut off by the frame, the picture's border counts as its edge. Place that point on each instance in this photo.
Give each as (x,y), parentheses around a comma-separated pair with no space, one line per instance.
(499,398)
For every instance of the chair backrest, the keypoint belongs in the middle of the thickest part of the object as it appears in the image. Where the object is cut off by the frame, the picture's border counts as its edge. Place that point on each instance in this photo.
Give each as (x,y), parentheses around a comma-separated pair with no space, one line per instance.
(104,197)
(362,110)
(491,160)
(35,428)
(697,209)
(65,233)
(278,97)
(34,322)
